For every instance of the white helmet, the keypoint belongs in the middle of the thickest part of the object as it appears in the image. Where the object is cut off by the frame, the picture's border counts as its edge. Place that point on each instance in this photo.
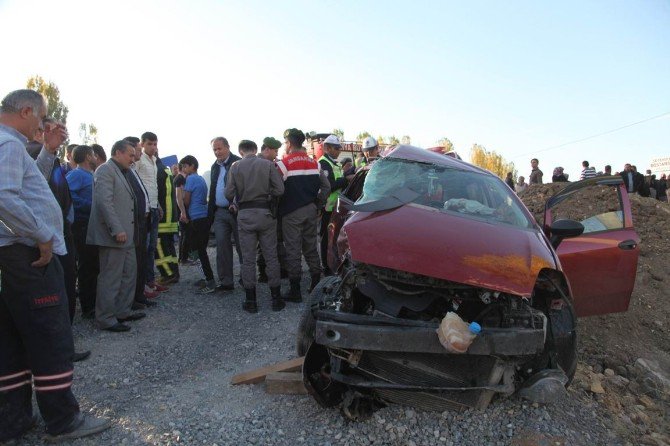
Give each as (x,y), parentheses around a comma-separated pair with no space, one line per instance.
(369,143)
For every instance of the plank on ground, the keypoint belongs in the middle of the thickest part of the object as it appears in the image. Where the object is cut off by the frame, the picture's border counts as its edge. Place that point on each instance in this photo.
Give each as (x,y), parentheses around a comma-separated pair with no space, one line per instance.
(258,375)
(285,383)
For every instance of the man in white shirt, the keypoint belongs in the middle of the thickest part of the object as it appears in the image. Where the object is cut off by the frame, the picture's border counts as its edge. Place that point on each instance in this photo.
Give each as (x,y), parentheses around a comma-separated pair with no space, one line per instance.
(148,172)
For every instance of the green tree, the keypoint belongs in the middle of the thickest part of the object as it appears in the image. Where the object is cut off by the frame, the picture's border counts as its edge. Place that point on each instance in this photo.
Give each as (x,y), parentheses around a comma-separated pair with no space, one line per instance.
(381,140)
(361,136)
(447,144)
(491,161)
(406,140)
(88,133)
(339,133)
(57,109)
(393,140)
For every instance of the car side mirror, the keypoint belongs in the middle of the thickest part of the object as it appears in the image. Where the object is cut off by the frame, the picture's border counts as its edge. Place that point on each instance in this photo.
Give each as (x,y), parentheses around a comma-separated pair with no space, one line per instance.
(564,228)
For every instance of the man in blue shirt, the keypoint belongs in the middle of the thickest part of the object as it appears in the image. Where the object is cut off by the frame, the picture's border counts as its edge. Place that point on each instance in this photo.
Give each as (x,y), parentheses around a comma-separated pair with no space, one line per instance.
(80,181)
(37,345)
(195,202)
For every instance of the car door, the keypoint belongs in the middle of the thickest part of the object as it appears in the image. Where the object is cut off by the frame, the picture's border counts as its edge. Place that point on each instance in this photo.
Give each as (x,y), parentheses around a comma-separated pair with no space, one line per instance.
(340,214)
(600,264)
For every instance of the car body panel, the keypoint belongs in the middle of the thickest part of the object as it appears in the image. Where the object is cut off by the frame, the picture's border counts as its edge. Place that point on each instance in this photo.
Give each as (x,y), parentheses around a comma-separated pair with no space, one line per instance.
(425,241)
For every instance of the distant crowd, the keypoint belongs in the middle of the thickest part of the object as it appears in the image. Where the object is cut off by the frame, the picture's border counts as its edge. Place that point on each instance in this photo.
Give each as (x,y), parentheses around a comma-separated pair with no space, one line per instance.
(636,183)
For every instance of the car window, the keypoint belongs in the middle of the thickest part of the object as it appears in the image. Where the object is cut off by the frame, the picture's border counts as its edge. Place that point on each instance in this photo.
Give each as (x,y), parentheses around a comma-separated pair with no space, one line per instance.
(597,207)
(466,193)
(355,188)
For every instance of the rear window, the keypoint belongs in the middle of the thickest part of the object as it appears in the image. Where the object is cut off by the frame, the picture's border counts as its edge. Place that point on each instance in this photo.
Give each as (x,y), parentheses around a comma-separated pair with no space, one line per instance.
(464,193)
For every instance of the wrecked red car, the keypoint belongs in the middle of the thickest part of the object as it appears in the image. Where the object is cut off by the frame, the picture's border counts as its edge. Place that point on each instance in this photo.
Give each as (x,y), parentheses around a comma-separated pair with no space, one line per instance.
(420,234)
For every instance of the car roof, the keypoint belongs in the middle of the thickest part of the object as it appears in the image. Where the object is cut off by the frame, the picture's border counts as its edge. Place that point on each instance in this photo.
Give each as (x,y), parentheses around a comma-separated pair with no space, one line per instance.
(420,155)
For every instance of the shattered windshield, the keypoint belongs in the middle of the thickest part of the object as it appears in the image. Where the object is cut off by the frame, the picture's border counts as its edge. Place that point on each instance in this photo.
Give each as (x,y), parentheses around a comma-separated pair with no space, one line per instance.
(465,193)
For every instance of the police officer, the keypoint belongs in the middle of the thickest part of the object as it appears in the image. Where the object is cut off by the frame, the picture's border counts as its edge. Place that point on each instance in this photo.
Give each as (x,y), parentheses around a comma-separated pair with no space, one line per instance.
(269,151)
(337,181)
(305,193)
(370,150)
(254,181)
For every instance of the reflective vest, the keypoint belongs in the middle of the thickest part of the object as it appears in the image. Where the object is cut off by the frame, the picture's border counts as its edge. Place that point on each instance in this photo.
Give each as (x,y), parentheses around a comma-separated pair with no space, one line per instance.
(337,172)
(360,162)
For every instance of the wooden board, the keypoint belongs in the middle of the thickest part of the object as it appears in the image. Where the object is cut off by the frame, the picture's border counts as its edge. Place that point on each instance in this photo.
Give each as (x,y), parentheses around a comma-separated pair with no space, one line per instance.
(285,383)
(258,375)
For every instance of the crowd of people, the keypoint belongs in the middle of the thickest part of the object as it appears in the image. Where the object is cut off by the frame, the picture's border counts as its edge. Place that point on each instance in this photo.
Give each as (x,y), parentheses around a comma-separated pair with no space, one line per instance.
(103,232)
(644,185)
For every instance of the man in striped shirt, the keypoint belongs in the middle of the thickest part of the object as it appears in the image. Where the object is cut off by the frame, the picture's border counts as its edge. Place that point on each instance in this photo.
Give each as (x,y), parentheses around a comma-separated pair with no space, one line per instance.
(587,172)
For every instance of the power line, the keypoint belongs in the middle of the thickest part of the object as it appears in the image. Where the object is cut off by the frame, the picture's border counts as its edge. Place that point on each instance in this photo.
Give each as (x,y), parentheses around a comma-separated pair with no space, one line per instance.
(592,136)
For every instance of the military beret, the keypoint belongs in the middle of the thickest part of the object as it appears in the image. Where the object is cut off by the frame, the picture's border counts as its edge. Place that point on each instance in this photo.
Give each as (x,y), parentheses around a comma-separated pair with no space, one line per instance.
(272,143)
(295,133)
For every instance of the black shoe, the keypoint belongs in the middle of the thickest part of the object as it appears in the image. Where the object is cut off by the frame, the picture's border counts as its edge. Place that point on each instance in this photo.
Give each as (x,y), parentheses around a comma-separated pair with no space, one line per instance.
(316,278)
(225,287)
(132,317)
(327,272)
(262,276)
(277,302)
(81,356)
(146,302)
(90,314)
(283,274)
(138,306)
(85,425)
(118,328)
(250,305)
(294,294)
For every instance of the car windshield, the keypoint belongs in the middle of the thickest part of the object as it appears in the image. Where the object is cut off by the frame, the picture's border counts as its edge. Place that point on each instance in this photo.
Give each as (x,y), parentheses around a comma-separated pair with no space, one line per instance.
(466,193)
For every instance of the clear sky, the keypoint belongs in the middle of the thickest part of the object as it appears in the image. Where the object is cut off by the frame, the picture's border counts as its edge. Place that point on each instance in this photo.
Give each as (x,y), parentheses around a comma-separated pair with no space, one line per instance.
(516,77)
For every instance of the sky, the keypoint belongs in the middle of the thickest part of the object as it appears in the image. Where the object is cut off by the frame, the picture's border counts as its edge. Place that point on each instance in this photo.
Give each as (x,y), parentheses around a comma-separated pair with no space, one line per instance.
(519,77)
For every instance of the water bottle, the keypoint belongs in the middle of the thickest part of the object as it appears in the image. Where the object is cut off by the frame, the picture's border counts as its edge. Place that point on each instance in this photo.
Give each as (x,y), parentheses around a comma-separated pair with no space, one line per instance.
(455,334)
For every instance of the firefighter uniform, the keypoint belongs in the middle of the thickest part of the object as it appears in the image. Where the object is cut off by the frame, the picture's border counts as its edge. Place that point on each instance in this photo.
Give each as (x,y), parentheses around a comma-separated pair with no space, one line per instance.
(253,182)
(166,254)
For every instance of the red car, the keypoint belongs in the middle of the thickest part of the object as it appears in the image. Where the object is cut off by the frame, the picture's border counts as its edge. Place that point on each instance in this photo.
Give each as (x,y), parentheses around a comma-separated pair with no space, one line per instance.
(420,234)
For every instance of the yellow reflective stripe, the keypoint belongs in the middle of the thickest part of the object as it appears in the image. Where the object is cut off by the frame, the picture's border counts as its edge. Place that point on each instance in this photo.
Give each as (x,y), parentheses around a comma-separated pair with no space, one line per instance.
(337,174)
(163,260)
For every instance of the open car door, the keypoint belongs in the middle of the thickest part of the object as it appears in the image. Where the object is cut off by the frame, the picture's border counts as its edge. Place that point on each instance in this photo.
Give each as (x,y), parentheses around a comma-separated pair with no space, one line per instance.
(601,263)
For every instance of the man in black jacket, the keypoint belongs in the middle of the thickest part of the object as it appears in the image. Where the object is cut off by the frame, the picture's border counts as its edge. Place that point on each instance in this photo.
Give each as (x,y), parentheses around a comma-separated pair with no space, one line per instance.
(222,214)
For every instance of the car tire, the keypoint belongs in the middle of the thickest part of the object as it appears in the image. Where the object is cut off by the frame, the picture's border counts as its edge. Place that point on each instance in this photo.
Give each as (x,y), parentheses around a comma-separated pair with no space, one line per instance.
(307,326)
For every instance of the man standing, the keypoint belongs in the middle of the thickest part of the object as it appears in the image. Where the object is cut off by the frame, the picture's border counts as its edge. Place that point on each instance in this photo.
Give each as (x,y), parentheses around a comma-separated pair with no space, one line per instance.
(221,214)
(148,172)
(35,334)
(112,227)
(587,171)
(304,195)
(195,205)
(80,181)
(535,174)
(337,181)
(255,182)
(370,149)
(166,254)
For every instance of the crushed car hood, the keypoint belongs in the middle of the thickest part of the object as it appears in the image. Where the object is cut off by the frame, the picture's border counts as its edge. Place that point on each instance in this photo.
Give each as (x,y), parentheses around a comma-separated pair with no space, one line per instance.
(432,243)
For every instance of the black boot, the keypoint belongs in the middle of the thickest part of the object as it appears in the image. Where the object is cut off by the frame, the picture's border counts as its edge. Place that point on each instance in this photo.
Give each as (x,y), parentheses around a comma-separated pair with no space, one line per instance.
(262,276)
(316,278)
(294,294)
(277,302)
(250,305)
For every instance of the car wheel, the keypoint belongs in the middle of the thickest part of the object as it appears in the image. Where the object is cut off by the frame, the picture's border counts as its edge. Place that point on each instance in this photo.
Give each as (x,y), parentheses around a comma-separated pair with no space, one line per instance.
(307,326)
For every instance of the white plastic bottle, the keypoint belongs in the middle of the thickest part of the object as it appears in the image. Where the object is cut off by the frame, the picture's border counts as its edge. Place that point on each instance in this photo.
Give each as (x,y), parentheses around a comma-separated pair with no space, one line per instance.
(455,334)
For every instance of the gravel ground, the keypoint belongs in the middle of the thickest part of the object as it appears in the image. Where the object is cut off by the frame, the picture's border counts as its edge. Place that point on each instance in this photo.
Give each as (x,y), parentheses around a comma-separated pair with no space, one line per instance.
(167,382)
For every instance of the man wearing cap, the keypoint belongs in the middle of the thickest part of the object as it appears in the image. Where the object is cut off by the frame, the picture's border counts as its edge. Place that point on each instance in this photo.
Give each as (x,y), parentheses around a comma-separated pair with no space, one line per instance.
(269,151)
(254,182)
(305,192)
(337,181)
(370,150)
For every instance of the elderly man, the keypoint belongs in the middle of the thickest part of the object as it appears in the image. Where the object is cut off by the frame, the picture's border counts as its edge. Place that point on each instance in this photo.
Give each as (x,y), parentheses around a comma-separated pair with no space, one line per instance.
(222,214)
(35,334)
(112,227)
(255,182)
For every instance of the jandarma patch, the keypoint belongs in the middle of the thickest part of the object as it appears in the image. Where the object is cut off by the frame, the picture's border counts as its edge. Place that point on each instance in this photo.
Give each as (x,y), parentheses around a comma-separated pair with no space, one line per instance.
(45,301)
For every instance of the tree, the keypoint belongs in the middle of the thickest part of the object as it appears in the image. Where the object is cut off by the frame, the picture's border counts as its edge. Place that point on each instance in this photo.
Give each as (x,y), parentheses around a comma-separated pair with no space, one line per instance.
(381,140)
(406,140)
(88,133)
(491,161)
(57,109)
(447,144)
(393,140)
(361,136)
(339,133)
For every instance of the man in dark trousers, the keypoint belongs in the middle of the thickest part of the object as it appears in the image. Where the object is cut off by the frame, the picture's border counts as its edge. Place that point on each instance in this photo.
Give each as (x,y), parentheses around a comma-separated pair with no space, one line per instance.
(222,214)
(255,182)
(36,343)
(168,226)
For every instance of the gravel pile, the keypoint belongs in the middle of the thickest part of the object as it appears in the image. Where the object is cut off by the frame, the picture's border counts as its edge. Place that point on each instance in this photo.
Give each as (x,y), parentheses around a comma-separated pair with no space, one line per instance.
(166,382)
